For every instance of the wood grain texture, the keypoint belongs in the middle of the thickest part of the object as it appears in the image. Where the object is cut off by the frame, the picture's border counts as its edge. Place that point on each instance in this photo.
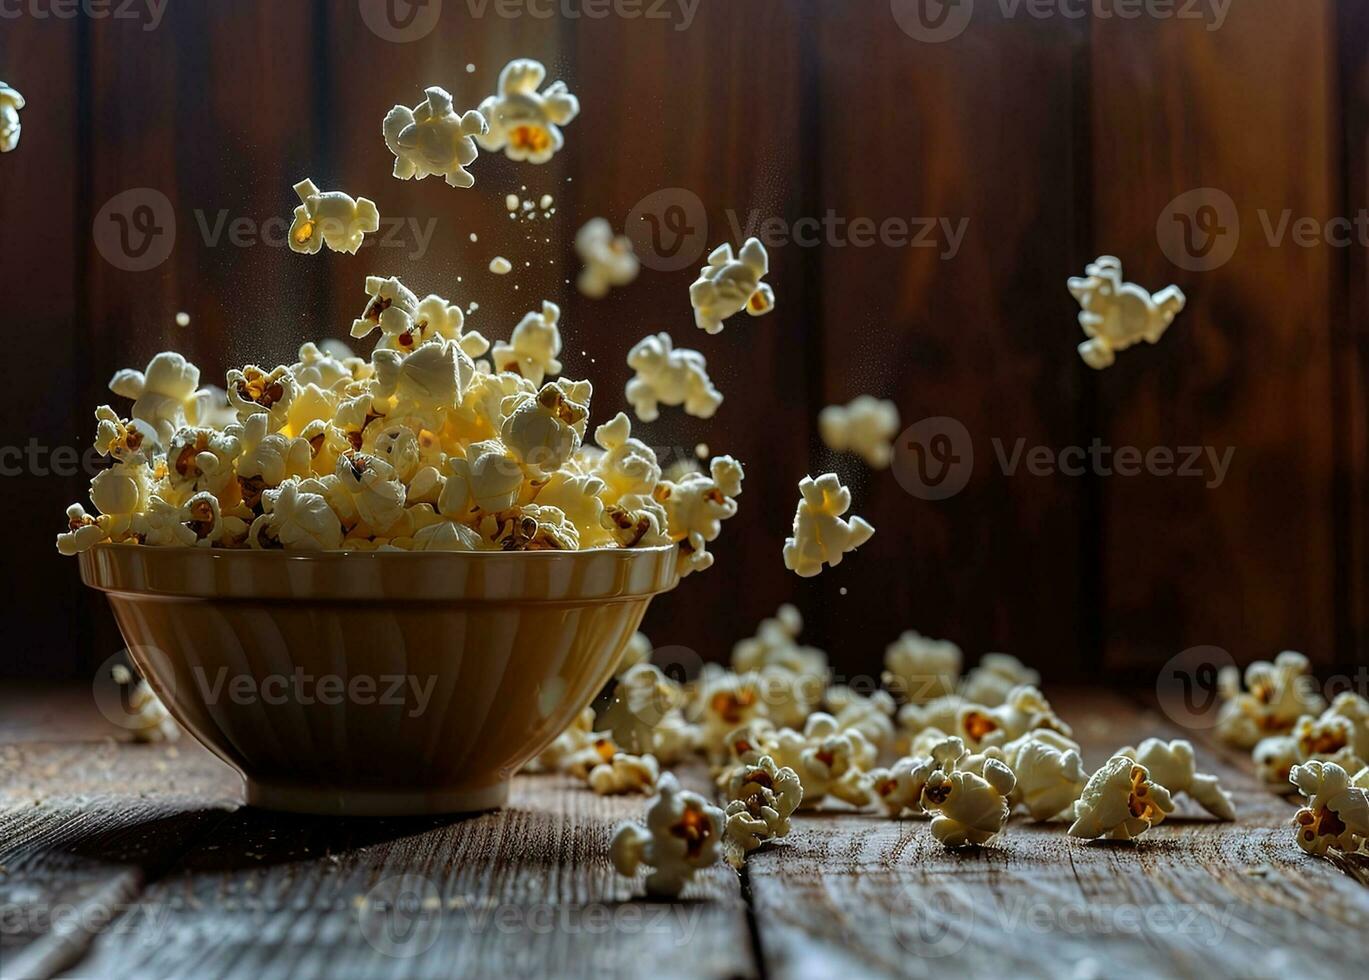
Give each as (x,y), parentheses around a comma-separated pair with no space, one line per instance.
(1246,565)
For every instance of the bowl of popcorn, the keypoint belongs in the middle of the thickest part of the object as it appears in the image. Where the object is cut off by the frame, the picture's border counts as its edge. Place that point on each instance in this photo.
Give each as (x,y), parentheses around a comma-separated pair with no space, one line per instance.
(380,586)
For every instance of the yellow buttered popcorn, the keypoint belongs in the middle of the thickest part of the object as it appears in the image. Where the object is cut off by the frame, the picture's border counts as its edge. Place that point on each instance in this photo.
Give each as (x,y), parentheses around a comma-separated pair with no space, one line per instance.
(625,773)
(256,391)
(697,505)
(83,532)
(1276,695)
(1336,816)
(1173,765)
(297,519)
(683,835)
(533,348)
(967,795)
(333,218)
(821,537)
(523,122)
(1117,314)
(666,375)
(761,797)
(866,427)
(729,284)
(543,431)
(608,259)
(1120,802)
(10,126)
(431,138)
(920,669)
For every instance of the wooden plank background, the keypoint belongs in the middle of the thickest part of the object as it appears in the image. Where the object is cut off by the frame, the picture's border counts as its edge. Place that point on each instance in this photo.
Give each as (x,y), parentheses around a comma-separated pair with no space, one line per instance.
(1056,139)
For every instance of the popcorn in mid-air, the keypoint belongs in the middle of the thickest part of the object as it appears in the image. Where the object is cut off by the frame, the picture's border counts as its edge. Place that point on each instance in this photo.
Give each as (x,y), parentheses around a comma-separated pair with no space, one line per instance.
(333,218)
(920,669)
(500,266)
(148,719)
(967,795)
(1276,695)
(608,259)
(1117,314)
(667,375)
(697,505)
(760,799)
(534,346)
(10,104)
(729,284)
(431,139)
(523,122)
(866,427)
(821,536)
(683,835)
(1337,812)
(1173,766)
(1120,801)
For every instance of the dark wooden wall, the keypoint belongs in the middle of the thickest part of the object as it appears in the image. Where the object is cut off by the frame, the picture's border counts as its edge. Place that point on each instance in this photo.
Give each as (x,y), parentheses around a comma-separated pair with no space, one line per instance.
(1058,139)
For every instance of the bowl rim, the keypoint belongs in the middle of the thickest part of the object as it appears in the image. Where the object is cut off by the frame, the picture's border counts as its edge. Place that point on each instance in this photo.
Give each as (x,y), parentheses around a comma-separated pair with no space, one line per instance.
(401,554)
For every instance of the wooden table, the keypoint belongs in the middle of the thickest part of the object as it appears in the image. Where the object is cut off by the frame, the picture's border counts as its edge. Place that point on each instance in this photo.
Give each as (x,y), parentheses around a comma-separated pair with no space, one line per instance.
(124,860)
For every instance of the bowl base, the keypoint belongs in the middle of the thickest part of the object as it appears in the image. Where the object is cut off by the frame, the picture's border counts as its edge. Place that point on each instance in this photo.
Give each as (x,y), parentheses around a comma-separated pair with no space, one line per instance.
(342,802)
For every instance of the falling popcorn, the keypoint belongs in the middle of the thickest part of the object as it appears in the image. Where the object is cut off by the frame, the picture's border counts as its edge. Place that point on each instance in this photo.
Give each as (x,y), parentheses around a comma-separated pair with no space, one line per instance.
(821,537)
(522,121)
(432,139)
(500,266)
(667,376)
(683,835)
(332,218)
(865,427)
(696,506)
(1337,812)
(1120,802)
(10,104)
(1117,314)
(1172,765)
(728,285)
(608,258)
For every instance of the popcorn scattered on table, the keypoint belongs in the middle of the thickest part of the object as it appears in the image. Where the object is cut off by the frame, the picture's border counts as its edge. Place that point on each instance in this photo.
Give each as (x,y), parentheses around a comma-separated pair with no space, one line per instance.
(829,761)
(1336,816)
(332,218)
(432,139)
(523,122)
(920,669)
(1276,695)
(821,537)
(1024,710)
(1120,802)
(10,104)
(625,773)
(669,376)
(148,720)
(1173,766)
(967,795)
(728,285)
(995,677)
(760,799)
(577,737)
(1050,773)
(1117,314)
(898,787)
(608,259)
(683,834)
(1274,759)
(642,700)
(866,427)
(793,677)
(871,715)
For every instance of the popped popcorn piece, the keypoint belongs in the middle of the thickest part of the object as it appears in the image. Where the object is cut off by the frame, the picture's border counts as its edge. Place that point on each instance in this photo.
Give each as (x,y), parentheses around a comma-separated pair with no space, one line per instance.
(627,466)
(444,535)
(371,492)
(871,715)
(330,365)
(267,459)
(695,508)
(667,376)
(293,518)
(486,481)
(675,739)
(253,391)
(523,122)
(390,306)
(431,138)
(821,537)
(995,677)
(577,495)
(1025,709)
(967,795)
(424,384)
(625,773)
(163,524)
(776,645)
(747,743)
(578,736)
(920,669)
(1275,757)
(609,259)
(898,787)
(213,529)
(533,347)
(500,266)
(642,699)
(1354,708)
(149,720)
(938,714)
(727,702)
(1049,771)
(530,527)
(683,834)
(166,395)
(1117,314)
(728,285)
(1173,766)
(83,532)
(1337,812)
(1120,802)
(829,761)
(333,218)
(866,427)
(1276,695)
(761,798)
(10,128)
(593,752)
(542,431)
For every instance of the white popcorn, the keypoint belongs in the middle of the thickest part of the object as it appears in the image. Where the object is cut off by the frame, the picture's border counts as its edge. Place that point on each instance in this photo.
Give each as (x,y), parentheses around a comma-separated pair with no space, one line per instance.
(866,426)
(330,365)
(794,677)
(667,376)
(625,773)
(608,259)
(642,699)
(534,346)
(683,834)
(391,306)
(997,674)
(1276,695)
(1050,773)
(1327,738)
(578,736)
(332,218)
(1173,766)
(921,669)
(578,496)
(431,138)
(83,532)
(292,518)
(1355,708)
(530,527)
(1120,802)
(163,524)
(166,396)
(149,720)
(204,516)
(500,266)
(373,493)
(422,385)
(872,716)
(1275,758)
(253,391)
(727,702)
(728,285)
(898,788)
(1117,314)
(1025,709)
(627,466)
(10,104)
(967,795)
(1337,812)
(486,481)
(940,714)
(542,431)
(761,797)
(523,122)
(446,535)
(696,506)
(828,760)
(821,537)
(267,459)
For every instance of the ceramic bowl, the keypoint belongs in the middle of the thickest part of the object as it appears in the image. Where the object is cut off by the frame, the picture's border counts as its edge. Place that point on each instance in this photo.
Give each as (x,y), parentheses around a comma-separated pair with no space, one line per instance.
(354,683)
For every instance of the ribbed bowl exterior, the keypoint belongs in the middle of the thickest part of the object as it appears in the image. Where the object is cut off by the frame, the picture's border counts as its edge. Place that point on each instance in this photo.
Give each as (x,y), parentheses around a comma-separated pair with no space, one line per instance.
(376,683)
